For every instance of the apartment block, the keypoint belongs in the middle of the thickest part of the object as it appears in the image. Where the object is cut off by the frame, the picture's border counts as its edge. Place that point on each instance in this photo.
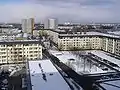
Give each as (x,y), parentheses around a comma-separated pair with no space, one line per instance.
(86,40)
(79,42)
(19,51)
(28,25)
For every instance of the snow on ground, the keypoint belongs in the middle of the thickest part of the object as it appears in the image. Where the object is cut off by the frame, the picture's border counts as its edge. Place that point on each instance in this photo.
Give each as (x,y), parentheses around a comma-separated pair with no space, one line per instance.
(44,76)
(78,64)
(104,55)
(111,85)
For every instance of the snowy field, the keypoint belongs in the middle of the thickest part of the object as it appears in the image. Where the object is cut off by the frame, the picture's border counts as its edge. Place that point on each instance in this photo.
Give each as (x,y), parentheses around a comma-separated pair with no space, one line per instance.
(76,62)
(44,76)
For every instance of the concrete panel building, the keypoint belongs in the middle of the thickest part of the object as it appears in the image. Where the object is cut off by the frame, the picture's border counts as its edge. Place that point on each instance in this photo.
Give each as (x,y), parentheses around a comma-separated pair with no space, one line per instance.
(51,24)
(86,41)
(19,51)
(28,25)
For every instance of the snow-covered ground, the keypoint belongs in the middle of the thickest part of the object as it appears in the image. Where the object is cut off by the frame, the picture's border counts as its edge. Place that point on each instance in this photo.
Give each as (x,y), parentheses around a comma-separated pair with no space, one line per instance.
(44,76)
(77,63)
(111,85)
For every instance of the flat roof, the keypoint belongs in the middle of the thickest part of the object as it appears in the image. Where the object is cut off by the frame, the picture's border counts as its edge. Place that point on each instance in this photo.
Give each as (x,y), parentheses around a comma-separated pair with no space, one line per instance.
(91,34)
(44,76)
(63,33)
(78,63)
(105,55)
(111,85)
(19,42)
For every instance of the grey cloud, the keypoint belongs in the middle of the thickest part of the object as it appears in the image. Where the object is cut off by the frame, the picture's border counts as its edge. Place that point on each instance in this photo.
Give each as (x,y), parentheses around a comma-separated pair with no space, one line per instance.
(63,10)
(81,2)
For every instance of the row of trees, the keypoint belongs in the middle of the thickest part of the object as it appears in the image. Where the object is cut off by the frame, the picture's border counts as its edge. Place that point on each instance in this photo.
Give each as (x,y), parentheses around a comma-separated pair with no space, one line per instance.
(43,33)
(88,45)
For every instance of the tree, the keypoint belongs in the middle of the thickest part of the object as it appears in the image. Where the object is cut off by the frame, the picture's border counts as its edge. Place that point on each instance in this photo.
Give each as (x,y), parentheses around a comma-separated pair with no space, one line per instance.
(60,46)
(43,33)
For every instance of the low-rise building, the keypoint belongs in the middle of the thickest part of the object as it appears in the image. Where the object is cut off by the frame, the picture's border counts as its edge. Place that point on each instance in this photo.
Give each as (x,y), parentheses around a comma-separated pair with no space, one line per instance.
(43,75)
(4,36)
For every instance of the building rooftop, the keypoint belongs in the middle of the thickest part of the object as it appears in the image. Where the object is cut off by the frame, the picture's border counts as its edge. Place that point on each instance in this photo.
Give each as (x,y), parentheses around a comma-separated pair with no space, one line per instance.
(77,63)
(69,33)
(19,42)
(90,34)
(106,56)
(111,85)
(44,76)
(115,32)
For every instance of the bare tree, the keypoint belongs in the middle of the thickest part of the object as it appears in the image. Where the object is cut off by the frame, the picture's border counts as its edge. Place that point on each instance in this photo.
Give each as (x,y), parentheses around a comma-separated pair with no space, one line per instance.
(60,46)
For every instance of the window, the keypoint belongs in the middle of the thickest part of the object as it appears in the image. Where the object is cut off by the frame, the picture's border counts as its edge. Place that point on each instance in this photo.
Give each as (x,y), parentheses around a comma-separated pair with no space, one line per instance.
(3,49)
(31,52)
(10,45)
(3,56)
(2,45)
(31,55)
(20,55)
(35,51)
(26,44)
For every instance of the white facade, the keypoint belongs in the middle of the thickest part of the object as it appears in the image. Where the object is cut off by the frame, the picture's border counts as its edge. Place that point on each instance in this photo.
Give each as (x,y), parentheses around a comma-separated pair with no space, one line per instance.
(88,40)
(36,32)
(7,36)
(51,24)
(28,25)
(18,51)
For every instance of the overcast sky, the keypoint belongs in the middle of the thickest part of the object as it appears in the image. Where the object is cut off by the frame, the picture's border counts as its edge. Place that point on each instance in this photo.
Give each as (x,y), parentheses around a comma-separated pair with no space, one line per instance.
(83,11)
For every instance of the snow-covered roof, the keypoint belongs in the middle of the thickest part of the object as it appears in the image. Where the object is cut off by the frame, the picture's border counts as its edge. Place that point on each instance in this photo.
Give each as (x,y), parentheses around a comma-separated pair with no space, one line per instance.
(92,34)
(44,76)
(104,55)
(65,56)
(115,32)
(111,85)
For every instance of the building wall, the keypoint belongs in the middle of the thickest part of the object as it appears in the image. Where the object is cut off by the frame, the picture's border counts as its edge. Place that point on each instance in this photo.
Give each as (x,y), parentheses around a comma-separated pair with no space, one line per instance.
(14,53)
(28,25)
(65,27)
(53,36)
(36,32)
(111,45)
(7,37)
(104,43)
(117,47)
(68,43)
(52,23)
